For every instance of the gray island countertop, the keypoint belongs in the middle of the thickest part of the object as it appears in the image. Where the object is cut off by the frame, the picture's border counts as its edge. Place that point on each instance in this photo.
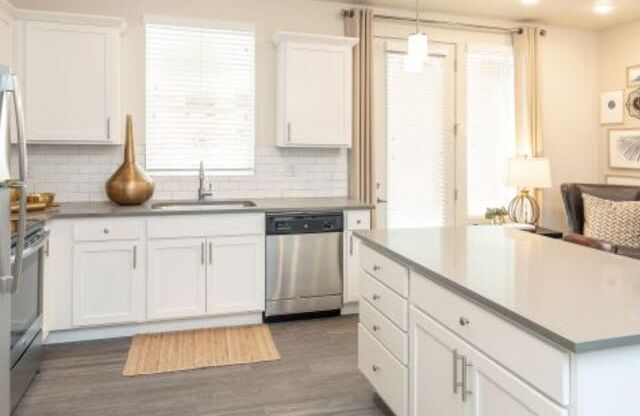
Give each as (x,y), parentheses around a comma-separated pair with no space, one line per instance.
(579,298)
(110,209)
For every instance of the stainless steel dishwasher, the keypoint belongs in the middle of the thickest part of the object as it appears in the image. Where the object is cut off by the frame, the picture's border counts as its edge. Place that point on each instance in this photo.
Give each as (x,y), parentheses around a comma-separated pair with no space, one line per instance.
(304,263)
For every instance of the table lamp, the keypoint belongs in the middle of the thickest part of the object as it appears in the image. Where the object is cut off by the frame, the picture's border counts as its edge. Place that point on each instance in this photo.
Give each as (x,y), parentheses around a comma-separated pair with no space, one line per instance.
(525,174)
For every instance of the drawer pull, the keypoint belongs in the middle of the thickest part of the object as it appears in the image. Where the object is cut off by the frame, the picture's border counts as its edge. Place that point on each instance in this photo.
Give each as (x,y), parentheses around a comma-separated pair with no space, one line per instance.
(376,297)
(358,221)
(375,328)
(376,268)
(465,391)
(456,384)
(375,368)
(463,321)
(107,231)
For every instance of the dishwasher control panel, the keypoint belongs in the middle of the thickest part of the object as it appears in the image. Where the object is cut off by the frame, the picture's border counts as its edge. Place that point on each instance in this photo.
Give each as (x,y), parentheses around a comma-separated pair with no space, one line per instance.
(304,223)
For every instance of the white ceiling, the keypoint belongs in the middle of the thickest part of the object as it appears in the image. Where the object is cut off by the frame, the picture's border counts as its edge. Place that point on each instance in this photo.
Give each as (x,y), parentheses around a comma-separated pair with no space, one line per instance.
(571,13)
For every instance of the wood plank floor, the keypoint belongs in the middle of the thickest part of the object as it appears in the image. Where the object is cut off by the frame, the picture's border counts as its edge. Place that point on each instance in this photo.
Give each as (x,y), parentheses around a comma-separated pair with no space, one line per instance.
(317,375)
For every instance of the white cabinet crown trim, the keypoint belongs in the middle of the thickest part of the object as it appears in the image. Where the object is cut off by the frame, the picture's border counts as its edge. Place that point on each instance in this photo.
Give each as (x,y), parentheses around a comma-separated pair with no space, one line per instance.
(71,18)
(280,37)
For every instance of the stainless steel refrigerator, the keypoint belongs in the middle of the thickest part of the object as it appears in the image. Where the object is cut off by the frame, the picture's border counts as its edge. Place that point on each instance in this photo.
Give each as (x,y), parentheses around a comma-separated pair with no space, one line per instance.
(10,271)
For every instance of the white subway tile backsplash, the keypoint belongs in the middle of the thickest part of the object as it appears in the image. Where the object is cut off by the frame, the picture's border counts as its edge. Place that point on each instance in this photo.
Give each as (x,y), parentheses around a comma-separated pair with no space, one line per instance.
(78,173)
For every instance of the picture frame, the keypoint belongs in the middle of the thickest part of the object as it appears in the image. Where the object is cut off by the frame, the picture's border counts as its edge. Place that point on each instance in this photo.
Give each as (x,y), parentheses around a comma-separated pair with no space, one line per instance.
(612,107)
(633,76)
(624,148)
(622,180)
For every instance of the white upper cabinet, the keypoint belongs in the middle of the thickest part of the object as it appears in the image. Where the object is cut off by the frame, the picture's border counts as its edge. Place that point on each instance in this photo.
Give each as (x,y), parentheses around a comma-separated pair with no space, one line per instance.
(71,81)
(314,90)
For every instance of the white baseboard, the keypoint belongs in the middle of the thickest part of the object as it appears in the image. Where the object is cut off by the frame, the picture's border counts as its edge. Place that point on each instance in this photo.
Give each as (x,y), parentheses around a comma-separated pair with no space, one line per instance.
(120,331)
(349,308)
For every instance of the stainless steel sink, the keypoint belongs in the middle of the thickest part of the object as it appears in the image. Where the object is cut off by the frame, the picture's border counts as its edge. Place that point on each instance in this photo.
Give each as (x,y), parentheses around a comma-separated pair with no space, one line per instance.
(211,205)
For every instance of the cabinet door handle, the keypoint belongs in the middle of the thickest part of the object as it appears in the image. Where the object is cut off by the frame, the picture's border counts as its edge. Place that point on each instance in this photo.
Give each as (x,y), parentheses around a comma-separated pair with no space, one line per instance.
(108,127)
(375,328)
(202,253)
(463,321)
(456,384)
(465,391)
(375,368)
(135,256)
(376,268)
(351,245)
(288,132)
(47,249)
(375,296)
(210,253)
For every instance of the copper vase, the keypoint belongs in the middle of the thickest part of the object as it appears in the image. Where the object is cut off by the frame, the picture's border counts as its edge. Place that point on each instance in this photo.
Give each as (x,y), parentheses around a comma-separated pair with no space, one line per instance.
(130,184)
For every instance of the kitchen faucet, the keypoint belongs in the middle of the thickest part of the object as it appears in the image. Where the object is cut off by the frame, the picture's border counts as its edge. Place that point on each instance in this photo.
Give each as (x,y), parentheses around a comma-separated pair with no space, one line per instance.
(202,194)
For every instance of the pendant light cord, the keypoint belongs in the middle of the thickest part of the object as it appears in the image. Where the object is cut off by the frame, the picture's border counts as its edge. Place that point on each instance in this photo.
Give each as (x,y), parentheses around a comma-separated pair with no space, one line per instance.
(417,18)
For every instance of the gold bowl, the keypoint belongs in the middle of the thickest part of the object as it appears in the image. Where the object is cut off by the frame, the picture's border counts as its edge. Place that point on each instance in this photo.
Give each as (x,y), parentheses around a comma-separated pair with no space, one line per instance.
(41,198)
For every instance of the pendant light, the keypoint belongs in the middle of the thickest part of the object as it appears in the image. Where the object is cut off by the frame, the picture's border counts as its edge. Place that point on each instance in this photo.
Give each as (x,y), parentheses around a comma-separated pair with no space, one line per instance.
(417,47)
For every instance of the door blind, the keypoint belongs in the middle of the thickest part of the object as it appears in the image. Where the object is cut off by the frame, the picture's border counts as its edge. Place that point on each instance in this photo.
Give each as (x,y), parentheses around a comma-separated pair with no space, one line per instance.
(418,144)
(490,126)
(200,99)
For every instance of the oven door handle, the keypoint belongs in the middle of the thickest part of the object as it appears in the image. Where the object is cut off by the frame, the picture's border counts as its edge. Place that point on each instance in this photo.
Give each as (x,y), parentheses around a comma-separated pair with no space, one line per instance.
(29,251)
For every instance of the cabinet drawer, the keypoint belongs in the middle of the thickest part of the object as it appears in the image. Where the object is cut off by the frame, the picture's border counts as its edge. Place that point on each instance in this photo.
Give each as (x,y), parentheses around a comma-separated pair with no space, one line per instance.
(358,220)
(180,226)
(387,375)
(108,229)
(392,274)
(384,331)
(390,304)
(535,361)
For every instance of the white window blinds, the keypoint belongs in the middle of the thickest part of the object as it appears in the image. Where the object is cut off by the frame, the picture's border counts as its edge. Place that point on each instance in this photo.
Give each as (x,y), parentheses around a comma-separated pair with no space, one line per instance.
(419,143)
(200,99)
(490,126)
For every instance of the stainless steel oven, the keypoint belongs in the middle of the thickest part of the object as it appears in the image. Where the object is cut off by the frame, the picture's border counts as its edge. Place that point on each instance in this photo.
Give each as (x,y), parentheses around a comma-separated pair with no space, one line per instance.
(26,313)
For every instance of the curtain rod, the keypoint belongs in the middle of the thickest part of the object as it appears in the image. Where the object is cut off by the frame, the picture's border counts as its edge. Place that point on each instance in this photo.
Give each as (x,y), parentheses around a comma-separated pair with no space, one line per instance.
(473,26)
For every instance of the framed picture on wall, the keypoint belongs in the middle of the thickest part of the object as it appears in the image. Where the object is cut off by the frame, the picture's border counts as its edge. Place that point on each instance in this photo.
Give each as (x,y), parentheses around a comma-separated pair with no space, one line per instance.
(622,180)
(612,107)
(633,76)
(624,149)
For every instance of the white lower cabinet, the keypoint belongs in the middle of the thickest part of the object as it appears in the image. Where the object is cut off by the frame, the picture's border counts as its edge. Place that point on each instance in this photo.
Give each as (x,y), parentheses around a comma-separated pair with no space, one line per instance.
(200,276)
(353,220)
(496,391)
(449,377)
(235,274)
(432,366)
(176,278)
(108,281)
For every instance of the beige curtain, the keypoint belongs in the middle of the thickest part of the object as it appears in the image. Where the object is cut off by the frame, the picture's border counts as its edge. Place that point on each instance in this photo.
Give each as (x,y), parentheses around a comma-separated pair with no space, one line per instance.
(526,45)
(358,24)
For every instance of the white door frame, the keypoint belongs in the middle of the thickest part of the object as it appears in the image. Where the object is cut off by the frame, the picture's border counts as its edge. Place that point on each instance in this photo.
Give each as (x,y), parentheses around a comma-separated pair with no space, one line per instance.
(381,47)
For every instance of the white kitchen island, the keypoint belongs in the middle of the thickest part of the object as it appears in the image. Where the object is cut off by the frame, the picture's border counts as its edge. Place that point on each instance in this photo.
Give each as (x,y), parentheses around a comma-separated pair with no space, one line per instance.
(493,321)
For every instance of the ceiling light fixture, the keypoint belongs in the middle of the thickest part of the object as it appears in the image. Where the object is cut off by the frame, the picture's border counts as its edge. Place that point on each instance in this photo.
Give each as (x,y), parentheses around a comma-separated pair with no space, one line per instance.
(417,48)
(530,2)
(603,8)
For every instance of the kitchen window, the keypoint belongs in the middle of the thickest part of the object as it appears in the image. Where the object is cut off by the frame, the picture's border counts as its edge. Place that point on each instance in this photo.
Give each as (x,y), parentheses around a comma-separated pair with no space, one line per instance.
(200,97)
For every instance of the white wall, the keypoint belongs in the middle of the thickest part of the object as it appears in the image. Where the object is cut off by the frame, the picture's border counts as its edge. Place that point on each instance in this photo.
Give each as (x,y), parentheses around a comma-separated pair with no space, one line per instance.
(618,49)
(79,172)
(569,77)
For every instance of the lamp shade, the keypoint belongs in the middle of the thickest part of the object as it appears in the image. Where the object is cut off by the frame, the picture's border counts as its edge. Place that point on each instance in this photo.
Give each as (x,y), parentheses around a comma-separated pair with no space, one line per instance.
(529,172)
(417,52)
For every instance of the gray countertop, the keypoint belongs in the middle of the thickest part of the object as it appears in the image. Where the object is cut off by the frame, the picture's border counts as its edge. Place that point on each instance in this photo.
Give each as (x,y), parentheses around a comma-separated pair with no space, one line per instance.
(109,209)
(577,297)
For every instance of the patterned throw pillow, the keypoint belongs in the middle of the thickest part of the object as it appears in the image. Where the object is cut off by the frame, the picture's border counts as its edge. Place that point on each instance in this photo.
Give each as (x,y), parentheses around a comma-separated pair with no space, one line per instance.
(616,222)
